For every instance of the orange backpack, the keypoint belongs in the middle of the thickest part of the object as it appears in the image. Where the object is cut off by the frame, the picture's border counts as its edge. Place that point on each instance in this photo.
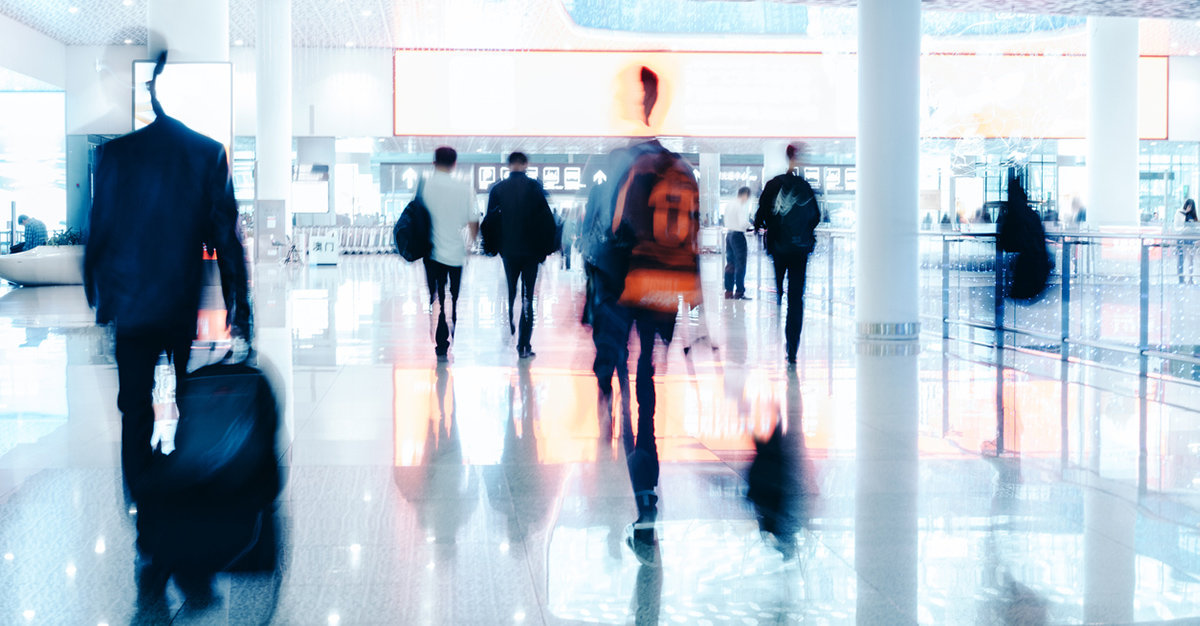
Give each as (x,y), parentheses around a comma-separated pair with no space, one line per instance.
(659,205)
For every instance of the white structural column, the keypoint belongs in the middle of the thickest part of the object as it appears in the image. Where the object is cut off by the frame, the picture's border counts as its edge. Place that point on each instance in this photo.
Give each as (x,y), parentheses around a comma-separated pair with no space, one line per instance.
(889,77)
(190,30)
(1112,152)
(273,79)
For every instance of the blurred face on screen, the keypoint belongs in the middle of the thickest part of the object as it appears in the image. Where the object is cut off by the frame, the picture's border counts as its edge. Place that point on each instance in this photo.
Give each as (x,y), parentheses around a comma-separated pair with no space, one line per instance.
(639,99)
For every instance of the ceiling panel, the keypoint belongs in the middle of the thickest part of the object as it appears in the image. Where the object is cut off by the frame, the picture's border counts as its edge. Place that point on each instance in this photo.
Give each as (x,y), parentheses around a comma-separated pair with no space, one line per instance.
(384,23)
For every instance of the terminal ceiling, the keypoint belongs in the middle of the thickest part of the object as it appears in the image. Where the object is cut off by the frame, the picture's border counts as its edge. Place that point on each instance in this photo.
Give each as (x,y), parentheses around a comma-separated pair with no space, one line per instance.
(382,23)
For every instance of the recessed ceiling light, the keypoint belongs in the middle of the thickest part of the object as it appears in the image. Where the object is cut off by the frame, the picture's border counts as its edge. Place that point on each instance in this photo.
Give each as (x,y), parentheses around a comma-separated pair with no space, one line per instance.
(128,41)
(366,12)
(73,10)
(127,3)
(239,42)
(350,44)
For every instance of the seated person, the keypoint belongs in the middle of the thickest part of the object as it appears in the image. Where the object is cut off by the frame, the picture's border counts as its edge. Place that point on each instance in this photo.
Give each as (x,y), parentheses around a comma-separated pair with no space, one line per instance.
(35,234)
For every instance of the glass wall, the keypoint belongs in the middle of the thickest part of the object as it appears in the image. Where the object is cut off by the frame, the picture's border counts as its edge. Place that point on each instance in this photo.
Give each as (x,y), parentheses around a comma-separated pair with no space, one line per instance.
(33,167)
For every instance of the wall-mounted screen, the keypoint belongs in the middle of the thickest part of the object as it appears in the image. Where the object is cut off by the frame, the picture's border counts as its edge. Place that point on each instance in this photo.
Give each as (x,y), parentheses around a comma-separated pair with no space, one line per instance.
(198,94)
(743,94)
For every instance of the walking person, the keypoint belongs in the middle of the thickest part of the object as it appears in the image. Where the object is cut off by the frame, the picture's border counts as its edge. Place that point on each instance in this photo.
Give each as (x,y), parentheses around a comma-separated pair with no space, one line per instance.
(162,197)
(788,211)
(1185,222)
(656,217)
(737,222)
(452,210)
(604,265)
(527,233)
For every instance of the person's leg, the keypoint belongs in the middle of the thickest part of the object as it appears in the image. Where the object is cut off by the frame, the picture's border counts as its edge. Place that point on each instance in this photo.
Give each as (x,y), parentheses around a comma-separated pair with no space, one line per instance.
(455,278)
(442,335)
(512,272)
(641,450)
(797,274)
(1180,253)
(136,357)
(739,264)
(430,278)
(779,261)
(529,272)
(729,265)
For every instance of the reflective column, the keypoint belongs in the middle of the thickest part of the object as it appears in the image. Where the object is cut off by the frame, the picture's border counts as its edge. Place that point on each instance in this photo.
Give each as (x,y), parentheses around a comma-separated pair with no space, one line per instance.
(1112,152)
(273,180)
(885,502)
(889,77)
(273,80)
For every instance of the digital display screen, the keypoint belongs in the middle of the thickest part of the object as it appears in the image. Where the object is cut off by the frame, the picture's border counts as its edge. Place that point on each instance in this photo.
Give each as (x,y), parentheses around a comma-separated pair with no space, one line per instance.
(198,94)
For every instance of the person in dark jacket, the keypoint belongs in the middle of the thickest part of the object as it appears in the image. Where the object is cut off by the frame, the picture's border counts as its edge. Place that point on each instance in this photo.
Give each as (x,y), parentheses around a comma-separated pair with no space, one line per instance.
(527,230)
(605,264)
(163,195)
(788,210)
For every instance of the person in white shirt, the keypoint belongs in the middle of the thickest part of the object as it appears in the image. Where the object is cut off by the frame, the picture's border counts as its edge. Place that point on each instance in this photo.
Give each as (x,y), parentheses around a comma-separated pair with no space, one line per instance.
(452,209)
(737,222)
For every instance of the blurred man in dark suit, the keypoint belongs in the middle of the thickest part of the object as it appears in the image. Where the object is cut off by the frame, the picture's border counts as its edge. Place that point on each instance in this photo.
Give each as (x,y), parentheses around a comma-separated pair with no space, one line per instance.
(163,195)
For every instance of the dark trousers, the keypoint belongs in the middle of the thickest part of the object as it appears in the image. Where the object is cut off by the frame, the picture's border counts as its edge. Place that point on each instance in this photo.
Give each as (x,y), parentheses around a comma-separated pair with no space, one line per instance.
(735,263)
(641,453)
(793,267)
(137,356)
(437,275)
(566,253)
(526,270)
(610,323)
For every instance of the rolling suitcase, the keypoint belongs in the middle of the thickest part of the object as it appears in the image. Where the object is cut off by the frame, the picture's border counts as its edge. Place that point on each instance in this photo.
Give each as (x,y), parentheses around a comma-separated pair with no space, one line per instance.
(217,509)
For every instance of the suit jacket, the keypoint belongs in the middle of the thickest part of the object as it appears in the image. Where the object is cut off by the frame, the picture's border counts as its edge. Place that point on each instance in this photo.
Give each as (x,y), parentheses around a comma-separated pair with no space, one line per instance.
(527,226)
(162,194)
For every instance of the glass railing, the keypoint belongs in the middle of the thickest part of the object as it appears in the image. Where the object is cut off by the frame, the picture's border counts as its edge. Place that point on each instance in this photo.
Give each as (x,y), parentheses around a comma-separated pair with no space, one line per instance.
(1128,300)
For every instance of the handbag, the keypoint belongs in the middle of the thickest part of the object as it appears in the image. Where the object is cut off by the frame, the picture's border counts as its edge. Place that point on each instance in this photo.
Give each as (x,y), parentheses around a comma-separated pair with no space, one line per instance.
(413,232)
(490,233)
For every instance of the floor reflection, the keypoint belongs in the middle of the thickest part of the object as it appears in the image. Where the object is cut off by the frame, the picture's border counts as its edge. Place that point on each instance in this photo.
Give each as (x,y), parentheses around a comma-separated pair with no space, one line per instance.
(487,490)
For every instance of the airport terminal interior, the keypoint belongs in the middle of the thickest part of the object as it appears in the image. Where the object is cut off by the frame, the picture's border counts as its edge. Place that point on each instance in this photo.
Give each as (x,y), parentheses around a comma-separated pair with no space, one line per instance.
(938,451)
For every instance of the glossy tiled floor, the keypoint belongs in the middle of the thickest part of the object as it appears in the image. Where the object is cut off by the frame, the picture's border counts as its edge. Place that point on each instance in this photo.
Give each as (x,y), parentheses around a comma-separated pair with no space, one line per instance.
(482,492)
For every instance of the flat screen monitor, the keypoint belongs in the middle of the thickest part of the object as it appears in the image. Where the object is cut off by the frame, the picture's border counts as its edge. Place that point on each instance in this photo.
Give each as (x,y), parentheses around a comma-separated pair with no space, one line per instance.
(198,94)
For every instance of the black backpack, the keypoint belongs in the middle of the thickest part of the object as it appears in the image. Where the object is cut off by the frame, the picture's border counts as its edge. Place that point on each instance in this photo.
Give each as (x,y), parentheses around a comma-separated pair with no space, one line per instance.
(1019,230)
(793,218)
(413,232)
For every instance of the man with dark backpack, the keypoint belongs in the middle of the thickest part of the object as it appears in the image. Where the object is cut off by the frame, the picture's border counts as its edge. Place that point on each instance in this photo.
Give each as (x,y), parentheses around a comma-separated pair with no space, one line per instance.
(788,210)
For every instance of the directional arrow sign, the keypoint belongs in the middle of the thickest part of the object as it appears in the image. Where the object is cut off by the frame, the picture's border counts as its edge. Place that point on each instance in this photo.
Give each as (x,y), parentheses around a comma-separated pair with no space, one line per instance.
(599,177)
(409,177)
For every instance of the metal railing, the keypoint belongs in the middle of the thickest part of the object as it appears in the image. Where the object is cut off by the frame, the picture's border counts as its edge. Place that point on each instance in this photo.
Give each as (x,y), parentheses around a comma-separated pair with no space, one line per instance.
(1121,302)
(1110,293)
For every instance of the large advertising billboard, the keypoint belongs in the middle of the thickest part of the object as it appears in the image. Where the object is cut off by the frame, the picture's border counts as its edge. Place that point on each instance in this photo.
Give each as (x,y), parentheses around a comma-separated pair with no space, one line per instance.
(742,94)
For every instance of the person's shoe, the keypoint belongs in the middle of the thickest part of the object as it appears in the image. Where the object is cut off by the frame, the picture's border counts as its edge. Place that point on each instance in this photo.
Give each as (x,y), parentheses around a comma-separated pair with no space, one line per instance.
(443,357)
(642,541)
(729,295)
(742,296)
(197,589)
(151,578)
(525,353)
(784,543)
(791,360)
